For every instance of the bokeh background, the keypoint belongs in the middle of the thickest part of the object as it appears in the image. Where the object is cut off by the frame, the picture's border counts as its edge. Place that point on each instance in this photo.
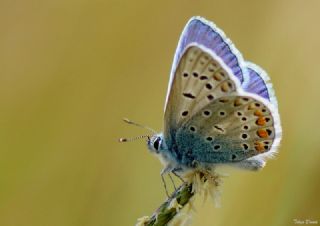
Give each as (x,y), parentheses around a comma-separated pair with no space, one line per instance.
(71,70)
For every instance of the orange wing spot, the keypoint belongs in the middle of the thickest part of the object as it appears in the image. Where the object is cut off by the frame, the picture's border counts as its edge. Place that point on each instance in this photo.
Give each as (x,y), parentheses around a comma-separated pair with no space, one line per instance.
(258,113)
(222,73)
(237,102)
(262,133)
(252,106)
(261,121)
(259,146)
(217,77)
(225,87)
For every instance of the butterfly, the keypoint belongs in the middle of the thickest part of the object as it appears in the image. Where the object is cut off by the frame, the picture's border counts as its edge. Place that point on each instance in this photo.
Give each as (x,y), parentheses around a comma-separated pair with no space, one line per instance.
(219,108)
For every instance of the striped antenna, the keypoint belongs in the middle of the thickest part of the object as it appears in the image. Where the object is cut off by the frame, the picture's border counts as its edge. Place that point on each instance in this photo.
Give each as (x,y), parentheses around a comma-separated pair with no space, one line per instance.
(138,125)
(122,140)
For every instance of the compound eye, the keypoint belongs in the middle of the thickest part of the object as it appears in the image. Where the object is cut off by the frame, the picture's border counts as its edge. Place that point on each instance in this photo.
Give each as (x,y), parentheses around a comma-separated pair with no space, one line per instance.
(156,143)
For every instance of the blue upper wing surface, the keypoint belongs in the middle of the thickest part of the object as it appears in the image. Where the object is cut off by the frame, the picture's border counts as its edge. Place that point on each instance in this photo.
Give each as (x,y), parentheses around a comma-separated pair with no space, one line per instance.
(258,82)
(200,31)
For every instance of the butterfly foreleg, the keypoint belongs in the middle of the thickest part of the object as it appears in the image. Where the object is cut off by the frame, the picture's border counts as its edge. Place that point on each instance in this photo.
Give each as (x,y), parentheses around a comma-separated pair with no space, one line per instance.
(175,172)
(164,171)
(172,181)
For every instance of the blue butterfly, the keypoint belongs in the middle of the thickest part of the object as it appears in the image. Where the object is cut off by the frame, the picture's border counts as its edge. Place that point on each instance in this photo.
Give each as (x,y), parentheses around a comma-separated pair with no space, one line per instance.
(219,108)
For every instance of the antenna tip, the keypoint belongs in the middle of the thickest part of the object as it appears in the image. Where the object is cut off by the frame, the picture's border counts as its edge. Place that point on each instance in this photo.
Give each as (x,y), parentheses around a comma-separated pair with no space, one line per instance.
(126,120)
(123,140)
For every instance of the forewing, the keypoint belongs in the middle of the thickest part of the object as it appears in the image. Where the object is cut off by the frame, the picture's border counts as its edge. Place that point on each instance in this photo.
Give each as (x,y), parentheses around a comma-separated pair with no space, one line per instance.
(229,129)
(199,79)
(200,31)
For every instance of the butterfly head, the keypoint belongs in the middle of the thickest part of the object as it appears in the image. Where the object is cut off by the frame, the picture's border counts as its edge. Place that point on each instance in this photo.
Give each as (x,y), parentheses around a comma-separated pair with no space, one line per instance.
(155,143)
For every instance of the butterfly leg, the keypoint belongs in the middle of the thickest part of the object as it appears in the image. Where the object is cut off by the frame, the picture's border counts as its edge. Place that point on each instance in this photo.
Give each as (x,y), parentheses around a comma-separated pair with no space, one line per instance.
(164,185)
(163,172)
(174,171)
(174,185)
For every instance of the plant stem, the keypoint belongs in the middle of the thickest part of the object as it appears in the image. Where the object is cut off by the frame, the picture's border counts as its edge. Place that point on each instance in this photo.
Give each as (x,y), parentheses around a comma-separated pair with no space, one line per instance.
(166,212)
(198,182)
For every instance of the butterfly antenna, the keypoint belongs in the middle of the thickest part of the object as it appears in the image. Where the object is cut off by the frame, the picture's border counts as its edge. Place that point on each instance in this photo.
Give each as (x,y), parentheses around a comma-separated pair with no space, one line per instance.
(139,125)
(133,138)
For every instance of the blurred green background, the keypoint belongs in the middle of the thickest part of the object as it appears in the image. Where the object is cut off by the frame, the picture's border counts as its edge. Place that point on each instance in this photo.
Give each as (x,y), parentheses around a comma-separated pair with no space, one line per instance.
(71,70)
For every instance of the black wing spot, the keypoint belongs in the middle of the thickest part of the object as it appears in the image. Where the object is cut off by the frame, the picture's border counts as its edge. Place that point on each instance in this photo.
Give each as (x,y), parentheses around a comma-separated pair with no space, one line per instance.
(244,136)
(203,77)
(195,74)
(216,147)
(233,157)
(245,127)
(210,97)
(209,138)
(245,146)
(185,74)
(189,95)
(192,129)
(207,113)
(185,113)
(219,128)
(208,86)
(222,113)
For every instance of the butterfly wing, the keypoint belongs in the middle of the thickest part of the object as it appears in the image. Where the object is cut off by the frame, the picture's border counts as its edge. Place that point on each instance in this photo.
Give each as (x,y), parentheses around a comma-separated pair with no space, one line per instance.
(258,82)
(206,33)
(198,80)
(230,129)
(204,86)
